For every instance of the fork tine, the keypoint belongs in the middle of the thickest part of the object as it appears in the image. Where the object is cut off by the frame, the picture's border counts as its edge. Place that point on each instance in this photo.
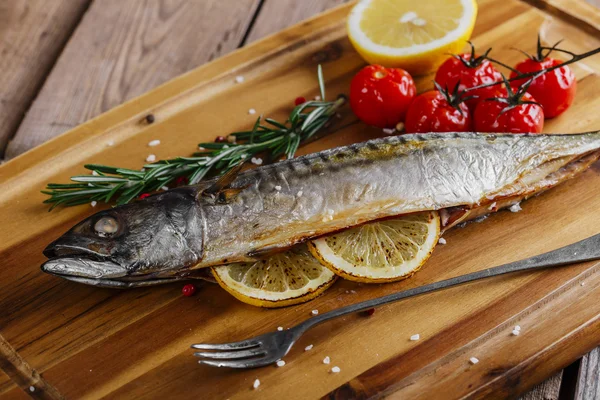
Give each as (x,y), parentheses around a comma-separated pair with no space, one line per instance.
(231,354)
(233,363)
(226,346)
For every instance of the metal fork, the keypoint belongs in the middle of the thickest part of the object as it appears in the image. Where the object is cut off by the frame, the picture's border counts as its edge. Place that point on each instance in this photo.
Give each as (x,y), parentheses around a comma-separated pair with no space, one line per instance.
(273,346)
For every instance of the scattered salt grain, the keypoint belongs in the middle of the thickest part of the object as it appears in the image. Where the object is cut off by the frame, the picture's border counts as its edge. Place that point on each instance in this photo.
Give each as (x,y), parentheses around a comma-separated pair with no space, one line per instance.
(110,143)
(251,111)
(93,203)
(415,337)
(278,188)
(317,98)
(442,241)
(515,332)
(280,363)
(299,193)
(153,143)
(151,158)
(95,173)
(256,161)
(280,328)
(389,131)
(32,389)
(419,22)
(315,312)
(165,188)
(326,360)
(352,291)
(515,208)
(308,348)
(256,384)
(335,370)
(517,328)
(201,148)
(582,283)
(239,79)
(473,360)
(407,17)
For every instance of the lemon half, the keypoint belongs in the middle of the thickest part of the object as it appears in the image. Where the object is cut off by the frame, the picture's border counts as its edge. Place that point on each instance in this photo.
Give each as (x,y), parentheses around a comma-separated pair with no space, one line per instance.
(414,35)
(284,279)
(383,251)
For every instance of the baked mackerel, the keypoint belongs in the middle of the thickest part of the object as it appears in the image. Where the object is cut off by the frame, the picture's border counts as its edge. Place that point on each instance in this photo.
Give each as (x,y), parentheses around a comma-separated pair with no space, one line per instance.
(174,234)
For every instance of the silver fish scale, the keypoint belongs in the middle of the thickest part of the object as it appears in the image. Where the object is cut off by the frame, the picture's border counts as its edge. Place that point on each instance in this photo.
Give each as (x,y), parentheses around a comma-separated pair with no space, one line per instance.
(380,178)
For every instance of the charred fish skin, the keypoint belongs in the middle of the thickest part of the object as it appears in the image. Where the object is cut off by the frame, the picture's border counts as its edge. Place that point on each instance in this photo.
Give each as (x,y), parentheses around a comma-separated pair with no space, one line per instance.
(290,201)
(273,207)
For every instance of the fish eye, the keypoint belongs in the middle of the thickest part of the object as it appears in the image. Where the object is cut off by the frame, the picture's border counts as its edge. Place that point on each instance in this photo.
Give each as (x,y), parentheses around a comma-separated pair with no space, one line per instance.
(106,226)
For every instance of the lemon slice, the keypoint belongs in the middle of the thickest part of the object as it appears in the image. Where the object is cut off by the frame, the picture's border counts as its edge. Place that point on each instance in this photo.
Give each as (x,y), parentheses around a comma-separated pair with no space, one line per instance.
(283,279)
(383,251)
(414,35)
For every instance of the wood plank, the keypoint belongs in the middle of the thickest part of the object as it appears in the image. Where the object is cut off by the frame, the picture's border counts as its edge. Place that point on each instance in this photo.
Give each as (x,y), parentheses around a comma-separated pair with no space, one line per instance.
(32,35)
(149,42)
(547,390)
(132,343)
(270,19)
(588,382)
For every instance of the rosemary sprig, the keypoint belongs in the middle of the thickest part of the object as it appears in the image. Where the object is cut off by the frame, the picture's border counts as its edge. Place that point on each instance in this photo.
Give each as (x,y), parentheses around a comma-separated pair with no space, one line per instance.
(268,137)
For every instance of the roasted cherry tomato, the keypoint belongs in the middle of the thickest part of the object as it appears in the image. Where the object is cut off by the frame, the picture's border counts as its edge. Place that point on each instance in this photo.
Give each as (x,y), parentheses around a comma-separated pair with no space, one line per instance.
(433,112)
(468,70)
(555,90)
(516,115)
(380,96)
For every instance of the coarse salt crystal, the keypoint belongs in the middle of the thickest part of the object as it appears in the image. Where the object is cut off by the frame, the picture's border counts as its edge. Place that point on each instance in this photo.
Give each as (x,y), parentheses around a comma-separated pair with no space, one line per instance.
(151,158)
(516,332)
(315,312)
(335,370)
(515,208)
(280,363)
(256,384)
(517,328)
(239,79)
(352,291)
(280,328)
(32,389)
(473,360)
(326,360)
(278,188)
(389,131)
(95,173)
(308,348)
(582,283)
(299,193)
(251,111)
(415,337)
(442,241)
(165,188)
(201,148)
(419,21)
(153,143)
(93,203)
(256,160)
(110,143)
(317,98)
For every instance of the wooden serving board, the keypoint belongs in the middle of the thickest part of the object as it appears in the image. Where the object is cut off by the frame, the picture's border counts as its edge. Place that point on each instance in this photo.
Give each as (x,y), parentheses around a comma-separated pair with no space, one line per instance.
(76,341)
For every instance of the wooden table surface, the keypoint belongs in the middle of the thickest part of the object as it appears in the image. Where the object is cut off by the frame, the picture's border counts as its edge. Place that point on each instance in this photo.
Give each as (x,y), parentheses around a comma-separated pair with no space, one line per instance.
(67,61)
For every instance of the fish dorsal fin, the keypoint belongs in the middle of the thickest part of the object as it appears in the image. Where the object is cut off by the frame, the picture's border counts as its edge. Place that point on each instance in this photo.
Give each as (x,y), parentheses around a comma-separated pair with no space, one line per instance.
(221,188)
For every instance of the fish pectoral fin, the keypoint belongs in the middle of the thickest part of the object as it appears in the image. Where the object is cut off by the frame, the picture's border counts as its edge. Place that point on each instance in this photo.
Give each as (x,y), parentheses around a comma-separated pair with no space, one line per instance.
(223,183)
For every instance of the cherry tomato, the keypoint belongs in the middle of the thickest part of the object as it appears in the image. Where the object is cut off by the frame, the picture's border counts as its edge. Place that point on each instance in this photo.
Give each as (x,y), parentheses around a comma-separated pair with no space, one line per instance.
(431,112)
(470,71)
(188,290)
(555,90)
(523,118)
(380,96)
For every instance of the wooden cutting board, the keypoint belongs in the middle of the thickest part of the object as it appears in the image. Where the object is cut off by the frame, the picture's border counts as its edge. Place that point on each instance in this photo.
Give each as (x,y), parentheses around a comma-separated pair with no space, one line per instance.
(76,341)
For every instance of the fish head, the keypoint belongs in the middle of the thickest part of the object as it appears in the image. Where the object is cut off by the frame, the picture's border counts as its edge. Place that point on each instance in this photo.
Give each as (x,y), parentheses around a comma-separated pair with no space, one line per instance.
(147,242)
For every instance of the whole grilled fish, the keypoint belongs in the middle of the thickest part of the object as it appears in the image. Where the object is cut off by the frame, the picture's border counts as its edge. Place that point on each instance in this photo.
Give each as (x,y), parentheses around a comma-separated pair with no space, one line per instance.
(173,234)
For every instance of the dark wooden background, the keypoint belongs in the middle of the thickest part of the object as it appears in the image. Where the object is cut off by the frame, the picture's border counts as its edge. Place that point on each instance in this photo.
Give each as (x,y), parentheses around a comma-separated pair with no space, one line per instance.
(63,62)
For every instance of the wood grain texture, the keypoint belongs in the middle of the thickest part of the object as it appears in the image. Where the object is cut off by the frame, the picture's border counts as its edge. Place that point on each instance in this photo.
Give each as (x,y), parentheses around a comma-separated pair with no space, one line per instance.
(134,344)
(547,390)
(588,383)
(276,15)
(148,43)
(32,35)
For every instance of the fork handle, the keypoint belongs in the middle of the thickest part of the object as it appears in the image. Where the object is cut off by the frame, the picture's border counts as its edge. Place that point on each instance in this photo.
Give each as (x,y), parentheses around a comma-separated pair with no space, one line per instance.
(585,250)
